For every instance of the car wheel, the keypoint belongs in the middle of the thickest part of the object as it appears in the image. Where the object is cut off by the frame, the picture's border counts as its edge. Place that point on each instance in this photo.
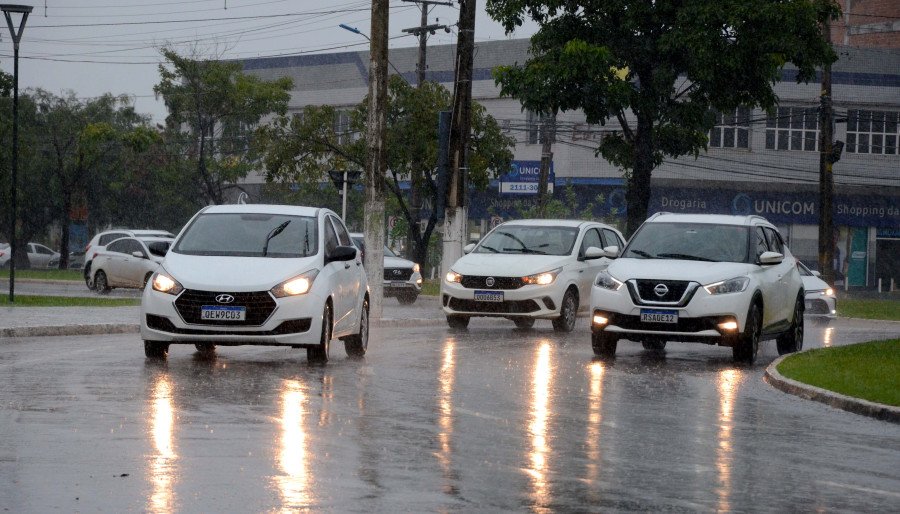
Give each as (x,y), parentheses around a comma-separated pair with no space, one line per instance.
(524,323)
(567,312)
(156,349)
(101,285)
(319,354)
(357,344)
(745,348)
(792,340)
(655,346)
(205,348)
(604,344)
(407,298)
(88,277)
(459,322)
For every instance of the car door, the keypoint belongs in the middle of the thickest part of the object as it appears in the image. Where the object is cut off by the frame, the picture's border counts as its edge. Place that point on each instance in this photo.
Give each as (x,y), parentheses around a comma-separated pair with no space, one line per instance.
(786,279)
(339,277)
(134,268)
(589,268)
(113,261)
(355,273)
(768,277)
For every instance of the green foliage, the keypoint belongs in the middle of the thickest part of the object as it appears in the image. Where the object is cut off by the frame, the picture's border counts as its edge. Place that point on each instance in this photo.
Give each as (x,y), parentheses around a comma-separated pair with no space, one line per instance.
(566,207)
(659,68)
(67,301)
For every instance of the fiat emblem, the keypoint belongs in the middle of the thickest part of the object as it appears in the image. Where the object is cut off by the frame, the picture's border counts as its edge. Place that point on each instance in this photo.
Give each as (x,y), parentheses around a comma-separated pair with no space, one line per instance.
(489,282)
(224,298)
(660,290)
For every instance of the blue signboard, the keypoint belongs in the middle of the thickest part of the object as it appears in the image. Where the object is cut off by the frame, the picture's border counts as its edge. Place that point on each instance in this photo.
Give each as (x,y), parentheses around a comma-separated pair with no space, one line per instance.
(524,178)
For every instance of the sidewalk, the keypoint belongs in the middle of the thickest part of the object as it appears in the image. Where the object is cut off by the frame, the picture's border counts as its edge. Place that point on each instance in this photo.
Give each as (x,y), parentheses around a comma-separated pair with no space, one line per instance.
(72,321)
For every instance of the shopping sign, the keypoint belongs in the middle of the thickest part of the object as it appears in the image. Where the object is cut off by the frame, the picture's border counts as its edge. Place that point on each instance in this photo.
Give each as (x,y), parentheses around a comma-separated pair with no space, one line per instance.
(524,178)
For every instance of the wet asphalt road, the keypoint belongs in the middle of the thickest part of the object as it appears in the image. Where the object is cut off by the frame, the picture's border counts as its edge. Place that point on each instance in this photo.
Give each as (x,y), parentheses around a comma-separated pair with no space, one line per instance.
(489,419)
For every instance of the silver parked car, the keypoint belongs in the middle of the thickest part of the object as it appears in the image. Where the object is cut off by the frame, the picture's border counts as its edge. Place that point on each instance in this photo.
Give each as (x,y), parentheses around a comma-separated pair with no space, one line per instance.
(128,262)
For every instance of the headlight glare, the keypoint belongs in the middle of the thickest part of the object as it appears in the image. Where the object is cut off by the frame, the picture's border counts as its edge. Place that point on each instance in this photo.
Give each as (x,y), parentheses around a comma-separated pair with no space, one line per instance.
(829,292)
(732,285)
(607,281)
(416,268)
(542,279)
(164,283)
(453,276)
(301,284)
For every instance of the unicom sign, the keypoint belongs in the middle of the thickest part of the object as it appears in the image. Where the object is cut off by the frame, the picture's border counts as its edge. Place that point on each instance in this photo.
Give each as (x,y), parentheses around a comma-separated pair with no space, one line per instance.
(524,178)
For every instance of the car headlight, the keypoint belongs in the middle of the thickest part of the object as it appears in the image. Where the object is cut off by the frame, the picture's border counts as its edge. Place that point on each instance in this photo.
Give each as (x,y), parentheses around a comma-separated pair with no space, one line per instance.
(301,284)
(164,283)
(453,276)
(732,285)
(542,279)
(607,281)
(415,268)
(828,292)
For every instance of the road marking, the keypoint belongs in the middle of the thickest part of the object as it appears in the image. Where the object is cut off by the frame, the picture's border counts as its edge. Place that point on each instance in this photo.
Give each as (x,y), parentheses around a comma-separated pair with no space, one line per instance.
(861,489)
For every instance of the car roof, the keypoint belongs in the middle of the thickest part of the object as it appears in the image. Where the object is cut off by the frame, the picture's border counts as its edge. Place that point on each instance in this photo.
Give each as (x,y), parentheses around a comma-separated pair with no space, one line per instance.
(713,219)
(547,223)
(150,232)
(149,239)
(258,208)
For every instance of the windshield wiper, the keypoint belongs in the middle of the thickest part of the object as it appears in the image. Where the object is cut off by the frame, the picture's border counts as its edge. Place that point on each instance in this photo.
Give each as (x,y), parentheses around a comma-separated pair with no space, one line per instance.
(525,250)
(491,248)
(686,257)
(643,254)
(275,231)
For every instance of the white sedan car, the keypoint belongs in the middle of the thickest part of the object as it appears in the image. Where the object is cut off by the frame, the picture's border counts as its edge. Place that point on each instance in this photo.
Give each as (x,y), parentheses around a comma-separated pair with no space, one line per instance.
(39,256)
(821,302)
(529,269)
(275,275)
(128,262)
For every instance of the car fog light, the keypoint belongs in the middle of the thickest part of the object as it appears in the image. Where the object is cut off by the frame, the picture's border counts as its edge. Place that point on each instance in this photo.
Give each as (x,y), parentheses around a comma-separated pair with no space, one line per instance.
(829,292)
(834,312)
(600,320)
(419,281)
(728,326)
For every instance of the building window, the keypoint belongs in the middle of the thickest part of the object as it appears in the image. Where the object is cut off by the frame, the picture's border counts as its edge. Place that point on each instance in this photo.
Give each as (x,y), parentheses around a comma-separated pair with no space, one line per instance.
(342,127)
(793,128)
(732,129)
(872,132)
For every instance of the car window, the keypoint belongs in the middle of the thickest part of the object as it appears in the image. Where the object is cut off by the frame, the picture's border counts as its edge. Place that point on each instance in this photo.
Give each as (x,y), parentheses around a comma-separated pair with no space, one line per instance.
(591,238)
(774,240)
(248,234)
(342,234)
(761,244)
(134,246)
(158,248)
(612,239)
(527,239)
(119,245)
(107,238)
(804,270)
(331,240)
(43,250)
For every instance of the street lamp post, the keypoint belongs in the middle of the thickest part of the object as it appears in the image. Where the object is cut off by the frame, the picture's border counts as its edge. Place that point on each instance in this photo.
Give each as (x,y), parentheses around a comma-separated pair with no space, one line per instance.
(8,10)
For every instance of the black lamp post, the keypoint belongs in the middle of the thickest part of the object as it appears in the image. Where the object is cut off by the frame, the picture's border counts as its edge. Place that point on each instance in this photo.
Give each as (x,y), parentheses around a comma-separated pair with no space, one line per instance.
(8,10)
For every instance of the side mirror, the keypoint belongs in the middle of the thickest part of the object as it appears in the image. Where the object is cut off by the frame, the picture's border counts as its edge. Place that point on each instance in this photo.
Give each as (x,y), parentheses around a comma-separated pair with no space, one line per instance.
(770,258)
(611,251)
(341,253)
(468,248)
(139,255)
(593,253)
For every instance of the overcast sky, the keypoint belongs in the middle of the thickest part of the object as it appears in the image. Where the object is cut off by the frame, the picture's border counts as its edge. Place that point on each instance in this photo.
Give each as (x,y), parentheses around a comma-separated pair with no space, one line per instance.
(93,47)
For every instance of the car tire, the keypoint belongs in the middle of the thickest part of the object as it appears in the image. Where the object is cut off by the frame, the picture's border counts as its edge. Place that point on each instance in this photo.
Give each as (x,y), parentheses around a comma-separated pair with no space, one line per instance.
(101,284)
(523,323)
(205,348)
(357,344)
(457,322)
(407,298)
(792,340)
(156,349)
(654,346)
(568,311)
(88,277)
(747,344)
(604,344)
(319,354)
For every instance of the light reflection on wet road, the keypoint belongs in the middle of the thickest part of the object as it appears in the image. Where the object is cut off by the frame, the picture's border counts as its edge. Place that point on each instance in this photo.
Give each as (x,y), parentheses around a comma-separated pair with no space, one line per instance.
(489,419)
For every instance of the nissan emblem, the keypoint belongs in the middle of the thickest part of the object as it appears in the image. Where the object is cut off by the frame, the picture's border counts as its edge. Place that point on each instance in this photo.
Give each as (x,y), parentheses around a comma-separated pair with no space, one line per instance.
(660,290)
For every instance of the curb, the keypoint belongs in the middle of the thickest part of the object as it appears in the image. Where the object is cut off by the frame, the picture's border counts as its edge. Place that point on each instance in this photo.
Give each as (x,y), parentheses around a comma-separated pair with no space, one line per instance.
(830,398)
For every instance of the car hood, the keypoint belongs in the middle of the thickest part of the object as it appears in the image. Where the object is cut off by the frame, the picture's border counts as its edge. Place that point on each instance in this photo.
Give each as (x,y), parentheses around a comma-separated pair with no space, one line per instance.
(668,269)
(811,283)
(234,274)
(507,265)
(396,262)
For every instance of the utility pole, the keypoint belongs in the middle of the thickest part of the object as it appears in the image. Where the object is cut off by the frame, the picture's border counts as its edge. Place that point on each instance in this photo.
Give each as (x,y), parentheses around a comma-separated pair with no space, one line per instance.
(548,136)
(456,216)
(376,165)
(826,178)
(415,195)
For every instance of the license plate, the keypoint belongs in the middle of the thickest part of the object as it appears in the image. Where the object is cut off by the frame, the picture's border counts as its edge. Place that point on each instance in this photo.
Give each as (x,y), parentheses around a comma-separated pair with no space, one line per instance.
(223,313)
(396,284)
(488,296)
(654,316)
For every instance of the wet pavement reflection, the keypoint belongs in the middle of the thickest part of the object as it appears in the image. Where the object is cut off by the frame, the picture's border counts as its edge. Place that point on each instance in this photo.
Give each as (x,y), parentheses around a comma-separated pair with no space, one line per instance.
(486,419)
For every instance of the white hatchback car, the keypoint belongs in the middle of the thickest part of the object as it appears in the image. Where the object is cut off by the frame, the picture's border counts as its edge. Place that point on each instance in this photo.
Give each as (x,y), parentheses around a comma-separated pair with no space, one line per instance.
(715,279)
(821,302)
(99,242)
(259,275)
(128,262)
(529,269)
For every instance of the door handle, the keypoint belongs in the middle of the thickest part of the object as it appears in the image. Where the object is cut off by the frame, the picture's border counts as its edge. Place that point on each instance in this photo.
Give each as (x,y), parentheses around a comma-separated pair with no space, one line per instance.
(347,266)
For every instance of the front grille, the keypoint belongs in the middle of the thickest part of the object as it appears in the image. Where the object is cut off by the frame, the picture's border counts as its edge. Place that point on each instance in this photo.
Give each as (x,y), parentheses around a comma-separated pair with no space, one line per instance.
(291,326)
(479,282)
(397,273)
(259,304)
(507,307)
(678,292)
(686,325)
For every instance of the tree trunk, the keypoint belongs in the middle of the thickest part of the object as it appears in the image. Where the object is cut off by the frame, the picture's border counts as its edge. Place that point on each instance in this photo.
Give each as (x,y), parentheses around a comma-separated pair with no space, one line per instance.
(638,195)
(64,239)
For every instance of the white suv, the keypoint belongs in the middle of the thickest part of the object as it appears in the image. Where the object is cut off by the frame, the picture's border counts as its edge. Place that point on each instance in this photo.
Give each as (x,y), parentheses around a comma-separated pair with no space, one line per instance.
(715,279)
(260,275)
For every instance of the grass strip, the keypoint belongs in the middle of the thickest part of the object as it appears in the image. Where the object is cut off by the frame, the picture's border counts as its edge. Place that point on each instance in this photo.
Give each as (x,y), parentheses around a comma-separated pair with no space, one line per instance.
(67,301)
(74,275)
(870,371)
(869,309)
(431,287)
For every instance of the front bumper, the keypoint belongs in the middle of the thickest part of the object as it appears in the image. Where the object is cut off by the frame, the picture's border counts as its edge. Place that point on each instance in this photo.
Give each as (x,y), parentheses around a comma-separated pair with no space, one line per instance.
(393,288)
(820,305)
(295,321)
(531,301)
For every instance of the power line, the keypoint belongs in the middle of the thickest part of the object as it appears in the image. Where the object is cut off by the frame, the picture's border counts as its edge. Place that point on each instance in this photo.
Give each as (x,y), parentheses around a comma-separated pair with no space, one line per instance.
(195,20)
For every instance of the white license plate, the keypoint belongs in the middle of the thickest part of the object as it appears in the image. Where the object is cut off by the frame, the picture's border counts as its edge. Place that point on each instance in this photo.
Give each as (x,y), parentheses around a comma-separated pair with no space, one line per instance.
(488,296)
(223,313)
(654,316)
(398,284)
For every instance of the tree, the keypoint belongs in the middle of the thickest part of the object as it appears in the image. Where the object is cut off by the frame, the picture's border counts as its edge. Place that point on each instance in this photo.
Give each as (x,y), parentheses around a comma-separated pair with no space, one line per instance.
(668,62)
(303,147)
(218,104)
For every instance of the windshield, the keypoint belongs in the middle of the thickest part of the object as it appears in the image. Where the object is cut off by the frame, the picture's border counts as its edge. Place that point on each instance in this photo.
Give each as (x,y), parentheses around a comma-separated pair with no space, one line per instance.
(689,241)
(245,234)
(523,239)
